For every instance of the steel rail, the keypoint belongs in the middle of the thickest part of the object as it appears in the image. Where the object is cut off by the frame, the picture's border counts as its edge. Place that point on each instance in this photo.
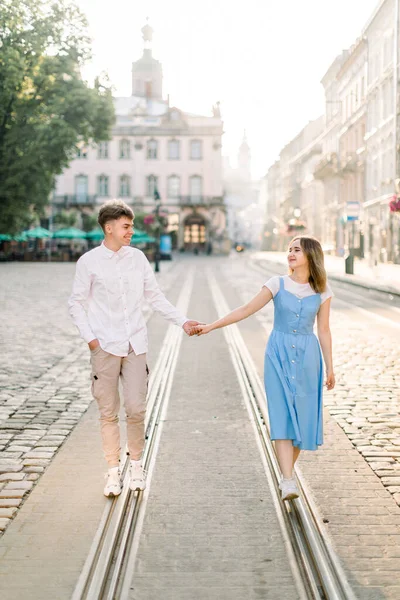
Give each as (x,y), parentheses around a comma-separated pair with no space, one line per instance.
(101,574)
(325,578)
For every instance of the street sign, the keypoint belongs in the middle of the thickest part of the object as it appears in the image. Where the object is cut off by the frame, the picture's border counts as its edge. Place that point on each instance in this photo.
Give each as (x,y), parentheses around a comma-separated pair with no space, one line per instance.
(353,211)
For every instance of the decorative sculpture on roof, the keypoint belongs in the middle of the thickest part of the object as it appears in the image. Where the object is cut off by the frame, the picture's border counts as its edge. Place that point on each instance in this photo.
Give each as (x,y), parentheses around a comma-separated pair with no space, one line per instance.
(216,110)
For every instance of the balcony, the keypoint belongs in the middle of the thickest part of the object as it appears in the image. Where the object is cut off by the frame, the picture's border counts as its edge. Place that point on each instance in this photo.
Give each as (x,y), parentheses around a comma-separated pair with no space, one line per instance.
(327,167)
(70,200)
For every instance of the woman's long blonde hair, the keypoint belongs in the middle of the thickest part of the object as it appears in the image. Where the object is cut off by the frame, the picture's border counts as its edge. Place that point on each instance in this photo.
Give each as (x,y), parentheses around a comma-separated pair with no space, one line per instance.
(315,257)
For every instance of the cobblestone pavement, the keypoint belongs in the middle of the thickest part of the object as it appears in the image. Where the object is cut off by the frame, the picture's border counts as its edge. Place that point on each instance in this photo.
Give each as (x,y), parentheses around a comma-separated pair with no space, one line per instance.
(44,377)
(366,399)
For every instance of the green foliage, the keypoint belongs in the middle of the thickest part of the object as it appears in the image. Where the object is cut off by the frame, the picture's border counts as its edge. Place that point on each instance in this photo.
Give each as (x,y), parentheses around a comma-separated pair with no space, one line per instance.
(89,221)
(46,109)
(66,219)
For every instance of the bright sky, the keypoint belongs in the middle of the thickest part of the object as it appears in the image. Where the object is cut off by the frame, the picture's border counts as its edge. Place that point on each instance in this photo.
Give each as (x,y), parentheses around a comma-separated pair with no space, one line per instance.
(262,59)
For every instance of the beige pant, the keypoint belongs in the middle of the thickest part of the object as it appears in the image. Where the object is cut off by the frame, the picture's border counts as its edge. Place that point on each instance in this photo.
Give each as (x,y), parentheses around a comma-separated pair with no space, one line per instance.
(106,371)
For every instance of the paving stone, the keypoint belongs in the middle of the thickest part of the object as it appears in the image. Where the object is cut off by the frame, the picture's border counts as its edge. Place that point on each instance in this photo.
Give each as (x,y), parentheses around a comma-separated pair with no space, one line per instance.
(10,502)
(7,513)
(10,468)
(4,493)
(11,476)
(4,523)
(19,485)
(38,454)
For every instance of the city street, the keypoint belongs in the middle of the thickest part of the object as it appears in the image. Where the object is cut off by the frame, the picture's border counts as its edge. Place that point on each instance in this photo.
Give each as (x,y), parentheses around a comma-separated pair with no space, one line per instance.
(210,526)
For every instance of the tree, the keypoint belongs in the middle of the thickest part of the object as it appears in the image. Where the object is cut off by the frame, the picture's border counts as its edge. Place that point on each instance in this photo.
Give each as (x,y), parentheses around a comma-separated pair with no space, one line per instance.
(66,218)
(46,110)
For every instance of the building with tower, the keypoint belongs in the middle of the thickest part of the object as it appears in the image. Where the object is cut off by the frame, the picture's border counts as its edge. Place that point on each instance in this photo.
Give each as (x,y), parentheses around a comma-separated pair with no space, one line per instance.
(154,148)
(241,197)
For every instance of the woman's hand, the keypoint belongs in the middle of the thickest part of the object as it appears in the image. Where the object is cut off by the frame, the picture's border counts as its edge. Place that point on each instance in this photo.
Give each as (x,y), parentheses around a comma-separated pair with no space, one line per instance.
(200,330)
(330,380)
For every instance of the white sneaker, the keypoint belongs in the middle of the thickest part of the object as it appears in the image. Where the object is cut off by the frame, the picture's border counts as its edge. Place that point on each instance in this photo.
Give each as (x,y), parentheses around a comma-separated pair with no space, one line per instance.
(113,485)
(289,489)
(138,476)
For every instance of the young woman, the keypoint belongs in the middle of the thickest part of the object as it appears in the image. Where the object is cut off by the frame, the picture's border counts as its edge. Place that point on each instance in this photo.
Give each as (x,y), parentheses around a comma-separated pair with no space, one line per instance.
(293,362)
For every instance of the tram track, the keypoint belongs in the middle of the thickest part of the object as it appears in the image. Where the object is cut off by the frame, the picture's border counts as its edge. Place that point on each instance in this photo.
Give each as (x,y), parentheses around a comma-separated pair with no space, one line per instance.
(314,564)
(104,575)
(108,569)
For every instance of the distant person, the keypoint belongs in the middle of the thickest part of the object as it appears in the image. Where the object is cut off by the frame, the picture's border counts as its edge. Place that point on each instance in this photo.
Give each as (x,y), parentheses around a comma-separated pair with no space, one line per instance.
(110,283)
(293,360)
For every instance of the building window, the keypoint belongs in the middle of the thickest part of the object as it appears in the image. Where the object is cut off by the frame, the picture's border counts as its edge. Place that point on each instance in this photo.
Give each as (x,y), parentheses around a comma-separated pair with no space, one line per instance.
(195,187)
(102,185)
(173,187)
(124,186)
(124,149)
(173,149)
(102,150)
(174,115)
(82,152)
(152,185)
(152,149)
(196,150)
(81,188)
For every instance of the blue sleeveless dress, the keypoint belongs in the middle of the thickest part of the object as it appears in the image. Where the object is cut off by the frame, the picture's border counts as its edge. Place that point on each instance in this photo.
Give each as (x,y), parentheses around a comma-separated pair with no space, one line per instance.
(293,372)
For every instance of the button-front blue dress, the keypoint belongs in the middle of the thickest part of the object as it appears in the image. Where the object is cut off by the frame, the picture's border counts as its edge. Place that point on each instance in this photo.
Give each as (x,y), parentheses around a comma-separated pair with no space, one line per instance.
(293,373)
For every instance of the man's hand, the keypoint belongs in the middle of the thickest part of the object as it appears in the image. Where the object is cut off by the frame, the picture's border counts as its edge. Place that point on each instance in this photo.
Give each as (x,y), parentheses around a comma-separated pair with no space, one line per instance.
(187,327)
(201,329)
(93,344)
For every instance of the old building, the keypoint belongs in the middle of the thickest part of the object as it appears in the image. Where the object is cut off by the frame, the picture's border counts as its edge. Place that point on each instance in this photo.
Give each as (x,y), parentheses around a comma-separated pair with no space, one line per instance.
(155,149)
(382,229)
(351,89)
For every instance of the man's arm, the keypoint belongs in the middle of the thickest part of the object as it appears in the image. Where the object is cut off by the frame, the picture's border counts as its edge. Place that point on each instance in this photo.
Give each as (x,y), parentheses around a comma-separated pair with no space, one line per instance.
(77,300)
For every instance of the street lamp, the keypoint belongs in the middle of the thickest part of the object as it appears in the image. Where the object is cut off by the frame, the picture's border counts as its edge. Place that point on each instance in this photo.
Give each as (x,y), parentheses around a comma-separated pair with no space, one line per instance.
(157,199)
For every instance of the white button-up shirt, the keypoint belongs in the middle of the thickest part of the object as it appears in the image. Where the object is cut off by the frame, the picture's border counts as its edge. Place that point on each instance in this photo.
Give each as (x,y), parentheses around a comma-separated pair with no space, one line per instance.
(107,296)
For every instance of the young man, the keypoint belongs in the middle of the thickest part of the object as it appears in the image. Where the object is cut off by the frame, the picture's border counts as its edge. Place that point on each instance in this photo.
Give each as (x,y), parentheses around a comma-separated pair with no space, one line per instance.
(110,283)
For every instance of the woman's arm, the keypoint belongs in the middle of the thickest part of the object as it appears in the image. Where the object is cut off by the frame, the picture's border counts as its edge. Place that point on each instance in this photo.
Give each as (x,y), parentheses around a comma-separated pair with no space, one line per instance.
(262,298)
(325,339)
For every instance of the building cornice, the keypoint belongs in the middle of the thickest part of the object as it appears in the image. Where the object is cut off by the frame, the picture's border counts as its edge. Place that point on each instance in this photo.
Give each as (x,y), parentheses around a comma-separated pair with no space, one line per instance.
(131,131)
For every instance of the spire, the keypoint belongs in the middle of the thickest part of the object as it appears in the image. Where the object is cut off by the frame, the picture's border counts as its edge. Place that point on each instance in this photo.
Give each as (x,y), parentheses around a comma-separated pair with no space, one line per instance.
(147,71)
(244,158)
(147,34)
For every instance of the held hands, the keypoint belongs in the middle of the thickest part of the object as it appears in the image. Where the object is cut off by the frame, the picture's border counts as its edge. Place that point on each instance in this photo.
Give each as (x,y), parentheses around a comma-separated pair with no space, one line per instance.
(200,329)
(189,326)
(330,380)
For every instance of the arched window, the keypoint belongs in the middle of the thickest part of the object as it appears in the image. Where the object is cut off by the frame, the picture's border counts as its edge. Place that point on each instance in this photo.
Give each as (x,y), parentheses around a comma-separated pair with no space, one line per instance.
(196,150)
(124,186)
(195,187)
(173,149)
(102,185)
(152,149)
(173,186)
(81,188)
(124,149)
(152,185)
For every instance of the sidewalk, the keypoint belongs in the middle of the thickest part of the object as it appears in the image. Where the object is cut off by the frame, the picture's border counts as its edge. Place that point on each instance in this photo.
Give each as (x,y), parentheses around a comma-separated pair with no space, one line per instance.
(383,277)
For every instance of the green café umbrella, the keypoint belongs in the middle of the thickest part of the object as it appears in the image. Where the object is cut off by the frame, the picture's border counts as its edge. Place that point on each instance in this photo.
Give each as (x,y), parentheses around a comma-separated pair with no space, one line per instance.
(21,237)
(70,233)
(37,233)
(142,239)
(95,235)
(4,237)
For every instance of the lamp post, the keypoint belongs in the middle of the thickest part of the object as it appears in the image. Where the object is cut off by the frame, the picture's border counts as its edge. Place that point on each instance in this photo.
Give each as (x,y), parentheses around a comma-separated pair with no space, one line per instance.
(157,199)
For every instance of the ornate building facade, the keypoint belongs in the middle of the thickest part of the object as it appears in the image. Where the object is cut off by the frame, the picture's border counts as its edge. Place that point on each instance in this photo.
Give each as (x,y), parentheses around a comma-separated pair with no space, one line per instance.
(155,149)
